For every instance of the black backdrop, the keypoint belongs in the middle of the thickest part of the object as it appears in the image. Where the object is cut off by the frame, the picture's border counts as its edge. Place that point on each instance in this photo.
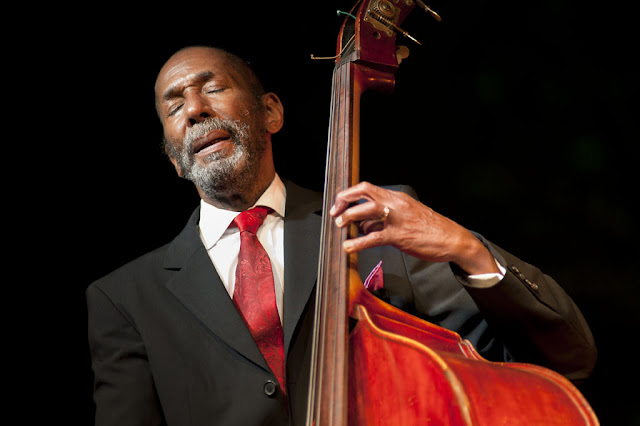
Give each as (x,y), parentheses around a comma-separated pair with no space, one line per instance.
(516,119)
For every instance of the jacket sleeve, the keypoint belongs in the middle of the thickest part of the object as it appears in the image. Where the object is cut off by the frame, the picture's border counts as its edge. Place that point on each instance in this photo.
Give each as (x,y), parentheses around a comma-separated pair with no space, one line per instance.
(124,393)
(535,318)
(526,317)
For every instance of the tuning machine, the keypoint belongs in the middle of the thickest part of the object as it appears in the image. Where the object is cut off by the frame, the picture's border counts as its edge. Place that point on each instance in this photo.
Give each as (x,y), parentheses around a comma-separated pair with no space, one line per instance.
(382,14)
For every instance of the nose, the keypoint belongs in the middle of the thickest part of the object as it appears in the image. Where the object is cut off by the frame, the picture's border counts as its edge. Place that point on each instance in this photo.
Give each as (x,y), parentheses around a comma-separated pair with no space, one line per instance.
(197,108)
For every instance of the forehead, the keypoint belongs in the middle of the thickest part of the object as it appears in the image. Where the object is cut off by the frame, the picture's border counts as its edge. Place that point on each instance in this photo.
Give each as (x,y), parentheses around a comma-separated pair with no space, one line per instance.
(188,66)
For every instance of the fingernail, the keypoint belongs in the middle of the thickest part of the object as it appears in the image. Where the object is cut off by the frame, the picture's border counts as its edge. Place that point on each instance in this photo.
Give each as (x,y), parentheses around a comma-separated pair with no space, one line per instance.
(333,210)
(339,221)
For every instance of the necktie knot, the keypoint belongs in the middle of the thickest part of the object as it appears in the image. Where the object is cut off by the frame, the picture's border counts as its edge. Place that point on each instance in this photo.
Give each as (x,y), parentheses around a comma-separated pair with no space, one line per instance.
(250,220)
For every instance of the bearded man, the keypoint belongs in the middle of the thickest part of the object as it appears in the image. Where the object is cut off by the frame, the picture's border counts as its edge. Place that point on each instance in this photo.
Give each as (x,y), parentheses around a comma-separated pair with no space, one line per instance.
(170,340)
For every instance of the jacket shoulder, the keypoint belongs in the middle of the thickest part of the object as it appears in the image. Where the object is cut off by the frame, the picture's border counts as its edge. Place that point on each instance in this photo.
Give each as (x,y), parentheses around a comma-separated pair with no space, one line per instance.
(154,265)
(136,270)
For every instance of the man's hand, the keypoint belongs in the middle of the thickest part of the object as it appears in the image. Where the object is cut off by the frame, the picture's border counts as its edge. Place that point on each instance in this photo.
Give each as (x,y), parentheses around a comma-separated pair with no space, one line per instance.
(394,218)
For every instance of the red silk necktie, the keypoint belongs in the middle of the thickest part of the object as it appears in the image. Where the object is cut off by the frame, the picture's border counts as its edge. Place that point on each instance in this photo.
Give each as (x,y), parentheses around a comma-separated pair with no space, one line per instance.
(254,294)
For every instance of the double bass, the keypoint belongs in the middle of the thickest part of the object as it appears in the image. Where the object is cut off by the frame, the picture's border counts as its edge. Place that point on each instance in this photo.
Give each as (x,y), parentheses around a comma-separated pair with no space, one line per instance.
(371,363)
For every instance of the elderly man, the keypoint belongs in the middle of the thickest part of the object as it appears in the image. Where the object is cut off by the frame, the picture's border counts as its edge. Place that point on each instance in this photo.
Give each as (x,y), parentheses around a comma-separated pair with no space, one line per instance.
(171,333)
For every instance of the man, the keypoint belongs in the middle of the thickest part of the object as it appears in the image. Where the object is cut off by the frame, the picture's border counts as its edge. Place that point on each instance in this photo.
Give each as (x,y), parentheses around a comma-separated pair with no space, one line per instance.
(169,344)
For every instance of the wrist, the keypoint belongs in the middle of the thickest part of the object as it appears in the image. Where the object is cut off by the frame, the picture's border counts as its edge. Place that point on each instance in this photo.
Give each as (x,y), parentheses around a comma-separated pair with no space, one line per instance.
(474,258)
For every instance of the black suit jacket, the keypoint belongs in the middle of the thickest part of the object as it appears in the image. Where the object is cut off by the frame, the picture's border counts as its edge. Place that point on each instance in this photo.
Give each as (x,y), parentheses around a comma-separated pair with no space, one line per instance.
(169,347)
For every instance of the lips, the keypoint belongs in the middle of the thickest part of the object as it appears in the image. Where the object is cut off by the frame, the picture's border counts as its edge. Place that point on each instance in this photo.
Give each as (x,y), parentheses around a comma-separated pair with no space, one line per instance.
(213,141)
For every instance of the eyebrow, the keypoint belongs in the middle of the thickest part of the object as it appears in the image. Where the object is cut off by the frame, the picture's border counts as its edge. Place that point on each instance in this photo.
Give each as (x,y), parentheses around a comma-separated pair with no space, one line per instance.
(175,89)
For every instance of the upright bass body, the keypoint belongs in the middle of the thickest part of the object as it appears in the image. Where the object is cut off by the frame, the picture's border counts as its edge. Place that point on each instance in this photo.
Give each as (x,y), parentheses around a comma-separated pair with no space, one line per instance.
(375,364)
(405,371)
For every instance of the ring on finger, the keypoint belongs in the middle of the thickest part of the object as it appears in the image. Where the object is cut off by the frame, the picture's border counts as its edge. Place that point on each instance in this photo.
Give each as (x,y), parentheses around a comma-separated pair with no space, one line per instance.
(385,214)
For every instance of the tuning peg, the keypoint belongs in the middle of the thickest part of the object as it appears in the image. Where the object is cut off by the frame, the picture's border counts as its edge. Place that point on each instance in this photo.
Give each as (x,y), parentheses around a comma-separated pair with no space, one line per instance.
(402,52)
(429,10)
(405,33)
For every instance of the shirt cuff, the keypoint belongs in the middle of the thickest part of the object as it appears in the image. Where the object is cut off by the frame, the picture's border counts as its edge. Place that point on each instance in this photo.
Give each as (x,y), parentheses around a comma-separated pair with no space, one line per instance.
(487,280)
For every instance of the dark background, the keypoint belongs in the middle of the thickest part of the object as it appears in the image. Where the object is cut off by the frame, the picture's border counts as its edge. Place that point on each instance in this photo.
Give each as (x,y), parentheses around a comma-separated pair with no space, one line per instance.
(517,119)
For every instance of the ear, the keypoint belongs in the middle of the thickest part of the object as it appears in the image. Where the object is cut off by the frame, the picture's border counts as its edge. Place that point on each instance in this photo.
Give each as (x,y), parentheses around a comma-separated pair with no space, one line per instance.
(174,162)
(274,112)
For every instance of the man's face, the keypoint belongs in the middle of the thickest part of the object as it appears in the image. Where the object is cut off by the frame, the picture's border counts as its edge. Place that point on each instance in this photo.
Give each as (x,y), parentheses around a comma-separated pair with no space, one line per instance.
(214,126)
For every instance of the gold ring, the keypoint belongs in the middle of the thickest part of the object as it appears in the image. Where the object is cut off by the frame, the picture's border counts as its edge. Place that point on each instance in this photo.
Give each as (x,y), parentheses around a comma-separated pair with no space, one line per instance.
(385,214)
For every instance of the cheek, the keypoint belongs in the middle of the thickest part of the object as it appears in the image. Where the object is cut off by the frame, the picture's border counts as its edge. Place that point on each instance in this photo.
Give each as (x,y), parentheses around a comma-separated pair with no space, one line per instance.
(246,107)
(172,145)
(173,134)
(255,117)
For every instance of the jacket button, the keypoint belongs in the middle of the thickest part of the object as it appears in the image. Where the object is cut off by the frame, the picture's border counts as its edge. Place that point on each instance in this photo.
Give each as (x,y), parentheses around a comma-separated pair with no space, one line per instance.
(270,388)
(532,285)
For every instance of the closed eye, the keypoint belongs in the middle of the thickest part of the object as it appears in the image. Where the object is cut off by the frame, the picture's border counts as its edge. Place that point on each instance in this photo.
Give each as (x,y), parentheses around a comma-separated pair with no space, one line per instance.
(174,109)
(215,90)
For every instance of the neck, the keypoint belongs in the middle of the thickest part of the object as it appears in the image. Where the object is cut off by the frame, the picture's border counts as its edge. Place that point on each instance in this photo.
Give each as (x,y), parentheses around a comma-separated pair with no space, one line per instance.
(239,199)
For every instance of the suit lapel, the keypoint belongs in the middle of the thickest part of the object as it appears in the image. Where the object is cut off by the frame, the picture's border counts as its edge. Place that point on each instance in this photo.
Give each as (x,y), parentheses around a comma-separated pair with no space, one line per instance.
(197,285)
(301,248)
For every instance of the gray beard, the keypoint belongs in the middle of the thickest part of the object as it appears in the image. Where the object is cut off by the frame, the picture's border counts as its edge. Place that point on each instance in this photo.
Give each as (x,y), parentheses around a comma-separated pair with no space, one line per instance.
(220,175)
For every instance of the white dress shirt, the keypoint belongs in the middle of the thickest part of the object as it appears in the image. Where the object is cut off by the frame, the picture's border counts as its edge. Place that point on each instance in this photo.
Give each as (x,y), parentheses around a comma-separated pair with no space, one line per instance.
(223,243)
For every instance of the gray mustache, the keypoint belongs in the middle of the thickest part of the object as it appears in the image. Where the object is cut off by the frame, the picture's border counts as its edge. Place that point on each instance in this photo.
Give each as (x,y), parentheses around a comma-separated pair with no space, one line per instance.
(209,124)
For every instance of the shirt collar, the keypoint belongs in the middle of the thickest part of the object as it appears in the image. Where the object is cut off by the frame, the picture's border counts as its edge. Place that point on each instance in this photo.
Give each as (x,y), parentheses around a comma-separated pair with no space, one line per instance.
(215,221)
